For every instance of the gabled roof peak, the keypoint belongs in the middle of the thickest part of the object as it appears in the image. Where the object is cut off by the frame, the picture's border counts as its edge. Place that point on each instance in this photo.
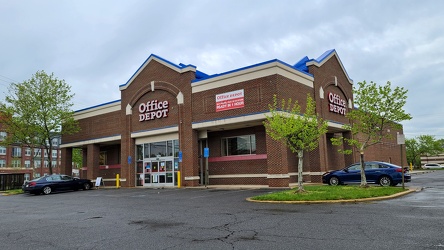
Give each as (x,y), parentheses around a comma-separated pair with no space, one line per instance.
(180,68)
(318,62)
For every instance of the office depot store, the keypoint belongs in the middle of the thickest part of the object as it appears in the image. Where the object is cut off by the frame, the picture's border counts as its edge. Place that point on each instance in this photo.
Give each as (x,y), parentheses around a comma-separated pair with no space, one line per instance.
(175,122)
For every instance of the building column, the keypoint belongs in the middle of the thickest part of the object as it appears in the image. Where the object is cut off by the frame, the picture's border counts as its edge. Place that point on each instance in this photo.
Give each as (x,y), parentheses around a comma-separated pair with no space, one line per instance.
(92,161)
(66,167)
(277,162)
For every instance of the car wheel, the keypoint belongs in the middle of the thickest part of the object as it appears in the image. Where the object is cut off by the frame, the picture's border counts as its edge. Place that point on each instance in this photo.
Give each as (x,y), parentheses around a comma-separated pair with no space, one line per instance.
(47,190)
(333,181)
(385,181)
(86,186)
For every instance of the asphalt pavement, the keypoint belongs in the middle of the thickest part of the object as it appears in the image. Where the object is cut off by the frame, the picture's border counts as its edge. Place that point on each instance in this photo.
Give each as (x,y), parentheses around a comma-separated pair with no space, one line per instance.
(217,218)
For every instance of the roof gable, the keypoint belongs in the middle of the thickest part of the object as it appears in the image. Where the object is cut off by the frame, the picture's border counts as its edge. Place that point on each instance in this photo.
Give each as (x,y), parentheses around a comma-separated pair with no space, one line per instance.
(181,68)
(318,62)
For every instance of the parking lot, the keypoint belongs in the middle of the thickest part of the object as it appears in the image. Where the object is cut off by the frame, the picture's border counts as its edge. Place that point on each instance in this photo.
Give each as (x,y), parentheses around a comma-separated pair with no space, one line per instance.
(199,218)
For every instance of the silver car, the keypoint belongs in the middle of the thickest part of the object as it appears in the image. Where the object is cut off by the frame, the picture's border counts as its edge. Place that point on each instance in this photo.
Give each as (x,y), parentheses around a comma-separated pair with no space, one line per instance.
(432,166)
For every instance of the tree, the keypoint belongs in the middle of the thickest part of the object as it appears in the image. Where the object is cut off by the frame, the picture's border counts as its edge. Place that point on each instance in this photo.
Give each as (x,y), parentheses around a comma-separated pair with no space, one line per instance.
(379,109)
(412,151)
(77,157)
(37,109)
(423,145)
(297,131)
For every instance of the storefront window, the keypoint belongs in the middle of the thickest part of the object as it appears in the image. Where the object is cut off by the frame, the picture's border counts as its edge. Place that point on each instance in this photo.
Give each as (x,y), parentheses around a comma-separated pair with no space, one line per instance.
(146,150)
(139,152)
(239,145)
(102,158)
(158,149)
(176,148)
(170,148)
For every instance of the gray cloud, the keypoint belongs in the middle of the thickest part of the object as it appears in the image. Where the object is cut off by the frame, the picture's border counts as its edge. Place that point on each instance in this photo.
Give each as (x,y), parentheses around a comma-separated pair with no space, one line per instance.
(97,45)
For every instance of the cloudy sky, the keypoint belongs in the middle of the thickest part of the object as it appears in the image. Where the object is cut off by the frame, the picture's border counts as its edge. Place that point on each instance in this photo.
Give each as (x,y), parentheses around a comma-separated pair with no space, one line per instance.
(96,45)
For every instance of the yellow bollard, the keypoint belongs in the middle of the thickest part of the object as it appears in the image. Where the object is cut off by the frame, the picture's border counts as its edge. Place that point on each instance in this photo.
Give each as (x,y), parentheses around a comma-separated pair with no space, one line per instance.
(117,180)
(411,167)
(178,179)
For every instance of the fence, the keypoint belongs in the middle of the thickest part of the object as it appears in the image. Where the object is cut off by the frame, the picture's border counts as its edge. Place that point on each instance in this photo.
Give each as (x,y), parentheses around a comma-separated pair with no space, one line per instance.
(11,181)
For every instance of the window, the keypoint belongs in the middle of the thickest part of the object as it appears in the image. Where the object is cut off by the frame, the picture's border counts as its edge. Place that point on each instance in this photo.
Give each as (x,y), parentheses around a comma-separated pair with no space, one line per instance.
(16,163)
(27,177)
(36,175)
(139,152)
(240,145)
(28,151)
(158,149)
(53,164)
(55,142)
(27,164)
(54,154)
(2,163)
(37,152)
(355,167)
(16,152)
(46,164)
(102,158)
(2,135)
(37,164)
(2,150)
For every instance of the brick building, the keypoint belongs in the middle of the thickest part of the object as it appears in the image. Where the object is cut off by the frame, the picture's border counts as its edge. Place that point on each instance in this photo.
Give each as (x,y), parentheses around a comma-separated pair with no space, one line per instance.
(32,162)
(173,118)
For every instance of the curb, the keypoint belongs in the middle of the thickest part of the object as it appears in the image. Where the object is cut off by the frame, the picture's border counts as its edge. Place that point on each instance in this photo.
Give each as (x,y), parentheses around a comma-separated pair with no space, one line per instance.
(410,190)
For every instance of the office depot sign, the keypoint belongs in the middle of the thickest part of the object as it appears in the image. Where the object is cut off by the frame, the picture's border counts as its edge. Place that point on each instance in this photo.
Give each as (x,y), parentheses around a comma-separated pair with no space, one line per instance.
(336,104)
(230,100)
(153,110)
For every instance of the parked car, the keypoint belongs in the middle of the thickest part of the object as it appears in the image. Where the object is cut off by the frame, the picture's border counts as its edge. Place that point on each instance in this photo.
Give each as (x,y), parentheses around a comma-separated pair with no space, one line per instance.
(432,166)
(56,182)
(382,173)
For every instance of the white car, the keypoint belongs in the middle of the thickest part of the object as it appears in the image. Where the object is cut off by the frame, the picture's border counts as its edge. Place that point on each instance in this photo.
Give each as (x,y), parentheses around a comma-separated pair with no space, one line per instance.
(432,166)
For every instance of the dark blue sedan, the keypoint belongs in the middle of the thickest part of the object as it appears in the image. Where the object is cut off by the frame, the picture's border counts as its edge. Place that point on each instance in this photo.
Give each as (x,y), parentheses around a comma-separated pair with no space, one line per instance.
(382,173)
(56,182)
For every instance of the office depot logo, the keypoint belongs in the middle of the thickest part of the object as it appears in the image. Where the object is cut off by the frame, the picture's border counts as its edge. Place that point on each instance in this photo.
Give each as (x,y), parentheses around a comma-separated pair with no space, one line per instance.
(336,104)
(153,110)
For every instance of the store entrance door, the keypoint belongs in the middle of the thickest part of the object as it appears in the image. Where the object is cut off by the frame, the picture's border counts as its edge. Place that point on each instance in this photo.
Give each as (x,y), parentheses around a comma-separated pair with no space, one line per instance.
(159,172)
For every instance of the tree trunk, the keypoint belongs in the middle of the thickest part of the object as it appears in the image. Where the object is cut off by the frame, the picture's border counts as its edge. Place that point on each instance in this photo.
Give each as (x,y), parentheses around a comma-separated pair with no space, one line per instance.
(300,178)
(363,178)
(49,152)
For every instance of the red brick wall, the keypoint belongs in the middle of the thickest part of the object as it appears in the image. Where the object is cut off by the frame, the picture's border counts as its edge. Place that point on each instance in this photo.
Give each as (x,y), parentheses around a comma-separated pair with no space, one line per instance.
(99,126)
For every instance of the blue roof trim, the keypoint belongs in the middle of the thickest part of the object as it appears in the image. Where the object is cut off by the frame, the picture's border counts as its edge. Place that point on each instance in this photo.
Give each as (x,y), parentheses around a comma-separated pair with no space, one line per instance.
(200,75)
(103,104)
(325,55)
(249,67)
(302,64)
(322,57)
(180,66)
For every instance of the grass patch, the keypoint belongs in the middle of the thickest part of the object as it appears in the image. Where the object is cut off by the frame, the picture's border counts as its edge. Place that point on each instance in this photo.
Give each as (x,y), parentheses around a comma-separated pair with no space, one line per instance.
(325,192)
(12,192)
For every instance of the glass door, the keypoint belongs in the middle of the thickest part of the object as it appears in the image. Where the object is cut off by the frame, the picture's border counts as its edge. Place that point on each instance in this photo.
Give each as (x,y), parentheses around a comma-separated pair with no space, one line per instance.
(157,163)
(159,172)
